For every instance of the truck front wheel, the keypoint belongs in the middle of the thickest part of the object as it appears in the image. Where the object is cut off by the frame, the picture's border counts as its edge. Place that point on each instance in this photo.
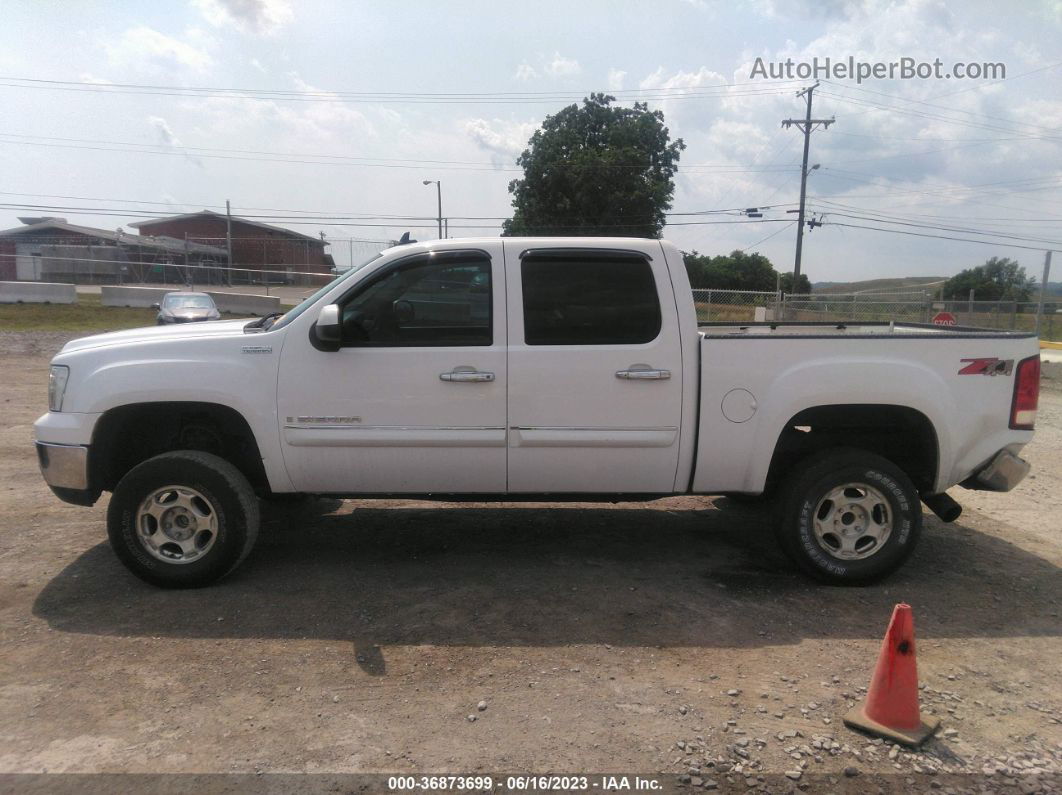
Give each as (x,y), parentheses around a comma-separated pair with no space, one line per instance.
(849,517)
(183,519)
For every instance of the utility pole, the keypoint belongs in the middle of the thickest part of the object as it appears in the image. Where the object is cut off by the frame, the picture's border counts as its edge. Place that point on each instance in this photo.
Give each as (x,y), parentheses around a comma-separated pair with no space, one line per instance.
(1043,290)
(187,268)
(805,125)
(228,238)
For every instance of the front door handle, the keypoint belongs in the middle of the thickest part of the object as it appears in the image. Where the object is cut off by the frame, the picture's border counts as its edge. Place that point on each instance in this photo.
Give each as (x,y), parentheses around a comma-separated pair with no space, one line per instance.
(466,374)
(643,372)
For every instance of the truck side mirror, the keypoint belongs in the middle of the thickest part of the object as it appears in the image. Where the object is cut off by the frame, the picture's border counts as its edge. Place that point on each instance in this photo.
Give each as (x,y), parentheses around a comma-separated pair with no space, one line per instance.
(156,306)
(327,326)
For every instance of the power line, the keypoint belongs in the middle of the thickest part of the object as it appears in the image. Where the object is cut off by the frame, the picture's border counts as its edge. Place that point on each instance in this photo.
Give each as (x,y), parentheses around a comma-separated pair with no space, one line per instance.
(765,239)
(963,230)
(296,157)
(320,218)
(923,216)
(945,192)
(933,117)
(413,98)
(940,237)
(950,223)
(954,110)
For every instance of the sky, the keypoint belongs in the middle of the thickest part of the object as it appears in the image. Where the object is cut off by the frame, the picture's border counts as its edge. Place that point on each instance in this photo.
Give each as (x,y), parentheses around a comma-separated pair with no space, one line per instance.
(328,117)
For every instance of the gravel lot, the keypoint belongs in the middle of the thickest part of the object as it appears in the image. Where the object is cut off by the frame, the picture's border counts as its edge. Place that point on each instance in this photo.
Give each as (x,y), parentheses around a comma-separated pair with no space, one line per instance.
(411,637)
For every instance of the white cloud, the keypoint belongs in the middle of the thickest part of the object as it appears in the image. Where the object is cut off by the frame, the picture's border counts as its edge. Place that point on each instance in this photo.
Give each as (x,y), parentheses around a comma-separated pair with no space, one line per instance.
(88,77)
(498,136)
(329,121)
(258,65)
(525,72)
(165,132)
(259,17)
(615,79)
(803,9)
(556,65)
(561,66)
(142,45)
(168,138)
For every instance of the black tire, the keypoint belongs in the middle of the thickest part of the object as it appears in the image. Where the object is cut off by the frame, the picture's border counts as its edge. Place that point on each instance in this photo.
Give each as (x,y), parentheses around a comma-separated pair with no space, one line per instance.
(229,499)
(806,490)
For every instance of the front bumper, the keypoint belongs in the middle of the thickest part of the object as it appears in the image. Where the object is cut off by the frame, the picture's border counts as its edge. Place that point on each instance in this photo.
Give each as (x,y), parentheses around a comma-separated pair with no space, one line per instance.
(1002,473)
(65,470)
(64,465)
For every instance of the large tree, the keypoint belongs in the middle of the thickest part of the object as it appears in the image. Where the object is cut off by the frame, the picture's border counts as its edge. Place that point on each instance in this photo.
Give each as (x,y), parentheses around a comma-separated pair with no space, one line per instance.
(999,279)
(596,170)
(803,284)
(739,271)
(734,271)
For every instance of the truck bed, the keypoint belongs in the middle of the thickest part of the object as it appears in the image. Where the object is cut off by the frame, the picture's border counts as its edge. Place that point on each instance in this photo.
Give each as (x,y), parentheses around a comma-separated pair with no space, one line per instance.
(961,380)
(816,329)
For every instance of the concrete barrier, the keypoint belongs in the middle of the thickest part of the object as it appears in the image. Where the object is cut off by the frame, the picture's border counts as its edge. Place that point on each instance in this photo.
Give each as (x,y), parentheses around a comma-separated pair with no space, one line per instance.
(141,297)
(231,303)
(37,293)
(246,303)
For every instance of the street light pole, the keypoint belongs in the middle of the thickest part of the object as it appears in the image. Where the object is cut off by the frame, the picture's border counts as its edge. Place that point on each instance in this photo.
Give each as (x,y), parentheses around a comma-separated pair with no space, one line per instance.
(438,190)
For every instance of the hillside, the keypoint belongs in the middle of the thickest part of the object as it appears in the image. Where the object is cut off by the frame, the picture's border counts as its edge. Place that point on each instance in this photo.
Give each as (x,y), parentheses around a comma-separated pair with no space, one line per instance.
(884,285)
(913,283)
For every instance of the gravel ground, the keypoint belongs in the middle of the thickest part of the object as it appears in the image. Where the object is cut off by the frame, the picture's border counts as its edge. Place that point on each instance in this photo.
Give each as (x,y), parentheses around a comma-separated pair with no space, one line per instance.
(668,639)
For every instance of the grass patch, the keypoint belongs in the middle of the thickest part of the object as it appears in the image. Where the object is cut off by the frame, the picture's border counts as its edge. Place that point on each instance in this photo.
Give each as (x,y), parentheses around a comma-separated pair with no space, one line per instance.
(85,316)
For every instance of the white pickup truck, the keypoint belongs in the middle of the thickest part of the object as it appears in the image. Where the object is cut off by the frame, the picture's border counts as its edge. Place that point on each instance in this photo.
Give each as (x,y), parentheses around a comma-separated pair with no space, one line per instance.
(534,368)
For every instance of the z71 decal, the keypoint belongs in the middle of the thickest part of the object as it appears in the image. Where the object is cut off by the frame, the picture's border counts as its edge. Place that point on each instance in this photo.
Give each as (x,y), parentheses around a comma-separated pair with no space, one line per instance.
(987,366)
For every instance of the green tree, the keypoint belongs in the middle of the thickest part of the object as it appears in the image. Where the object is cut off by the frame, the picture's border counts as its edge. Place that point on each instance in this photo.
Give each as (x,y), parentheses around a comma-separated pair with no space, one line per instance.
(999,279)
(739,271)
(596,170)
(803,285)
(734,271)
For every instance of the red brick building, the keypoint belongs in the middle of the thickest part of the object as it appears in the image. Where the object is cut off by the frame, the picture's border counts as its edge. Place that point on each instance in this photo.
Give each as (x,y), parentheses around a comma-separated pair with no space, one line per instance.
(263,252)
(51,249)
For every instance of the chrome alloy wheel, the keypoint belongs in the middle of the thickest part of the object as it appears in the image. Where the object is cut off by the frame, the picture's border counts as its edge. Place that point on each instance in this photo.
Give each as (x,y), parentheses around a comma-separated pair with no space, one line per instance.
(853,521)
(176,524)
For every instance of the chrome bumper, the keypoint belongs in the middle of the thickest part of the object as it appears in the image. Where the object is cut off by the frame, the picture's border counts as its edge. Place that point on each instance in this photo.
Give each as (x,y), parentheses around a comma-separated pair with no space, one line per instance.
(1002,473)
(64,466)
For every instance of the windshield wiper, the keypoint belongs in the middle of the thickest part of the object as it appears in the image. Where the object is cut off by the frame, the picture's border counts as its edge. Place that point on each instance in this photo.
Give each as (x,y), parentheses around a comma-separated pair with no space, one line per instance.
(263,322)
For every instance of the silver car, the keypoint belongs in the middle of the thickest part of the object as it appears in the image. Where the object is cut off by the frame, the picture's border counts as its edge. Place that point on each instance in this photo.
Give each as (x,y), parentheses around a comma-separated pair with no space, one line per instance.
(186,307)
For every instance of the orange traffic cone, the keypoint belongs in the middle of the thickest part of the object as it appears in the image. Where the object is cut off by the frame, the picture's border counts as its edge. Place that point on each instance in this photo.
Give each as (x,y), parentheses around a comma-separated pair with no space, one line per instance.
(891,708)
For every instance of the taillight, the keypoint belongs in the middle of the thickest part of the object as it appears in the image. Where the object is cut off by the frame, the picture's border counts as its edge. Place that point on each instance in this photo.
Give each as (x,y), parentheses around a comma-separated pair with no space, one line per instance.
(1026,394)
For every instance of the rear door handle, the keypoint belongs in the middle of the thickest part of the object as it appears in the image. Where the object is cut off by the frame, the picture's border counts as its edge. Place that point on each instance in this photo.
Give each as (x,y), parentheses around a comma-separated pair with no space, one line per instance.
(643,372)
(466,374)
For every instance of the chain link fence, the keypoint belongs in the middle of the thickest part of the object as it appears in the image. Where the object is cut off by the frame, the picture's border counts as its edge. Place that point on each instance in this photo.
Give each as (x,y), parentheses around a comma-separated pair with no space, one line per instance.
(735,306)
(743,306)
(258,263)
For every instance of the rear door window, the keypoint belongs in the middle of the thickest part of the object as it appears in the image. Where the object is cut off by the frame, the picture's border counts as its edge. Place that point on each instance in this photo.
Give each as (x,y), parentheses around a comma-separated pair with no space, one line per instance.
(594,299)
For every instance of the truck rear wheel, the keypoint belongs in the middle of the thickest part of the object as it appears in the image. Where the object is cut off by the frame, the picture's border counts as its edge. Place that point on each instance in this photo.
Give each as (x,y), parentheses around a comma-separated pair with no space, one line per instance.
(183,519)
(849,517)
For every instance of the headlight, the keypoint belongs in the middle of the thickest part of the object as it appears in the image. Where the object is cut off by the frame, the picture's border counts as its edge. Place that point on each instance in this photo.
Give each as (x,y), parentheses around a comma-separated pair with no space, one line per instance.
(57,378)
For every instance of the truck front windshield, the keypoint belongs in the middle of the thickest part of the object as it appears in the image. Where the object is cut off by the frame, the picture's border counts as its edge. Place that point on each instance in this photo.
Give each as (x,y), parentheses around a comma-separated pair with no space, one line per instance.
(306,303)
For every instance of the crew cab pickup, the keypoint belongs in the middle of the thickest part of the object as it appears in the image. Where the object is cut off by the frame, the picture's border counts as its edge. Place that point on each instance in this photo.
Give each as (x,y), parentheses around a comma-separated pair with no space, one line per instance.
(532,368)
